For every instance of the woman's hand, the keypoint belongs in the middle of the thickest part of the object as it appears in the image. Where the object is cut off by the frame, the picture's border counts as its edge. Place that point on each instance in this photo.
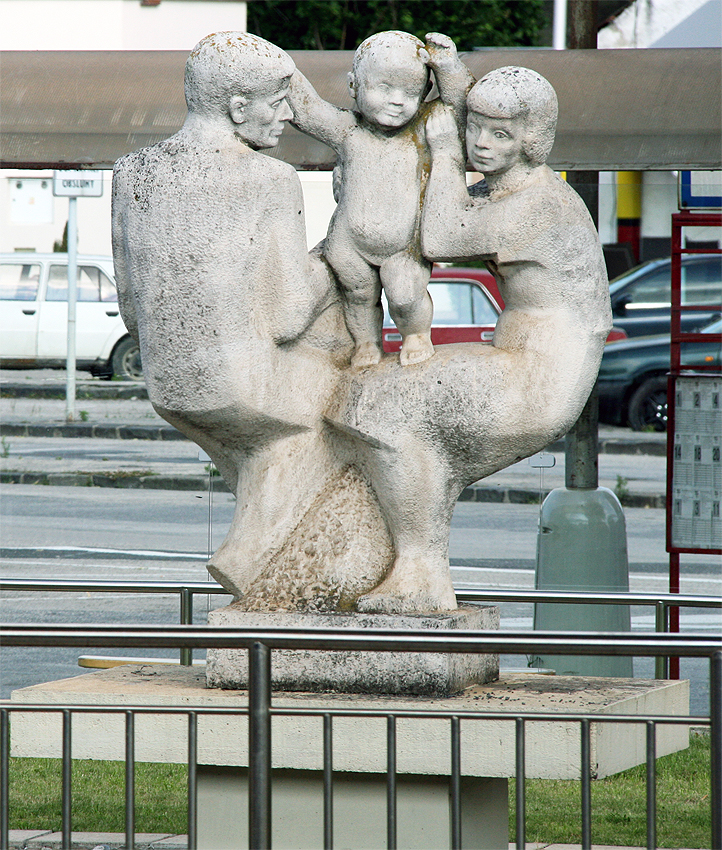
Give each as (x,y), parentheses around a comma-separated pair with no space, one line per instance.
(442,131)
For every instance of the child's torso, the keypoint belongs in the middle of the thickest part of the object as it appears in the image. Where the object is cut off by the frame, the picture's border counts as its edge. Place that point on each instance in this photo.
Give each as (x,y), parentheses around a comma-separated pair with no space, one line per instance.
(382,191)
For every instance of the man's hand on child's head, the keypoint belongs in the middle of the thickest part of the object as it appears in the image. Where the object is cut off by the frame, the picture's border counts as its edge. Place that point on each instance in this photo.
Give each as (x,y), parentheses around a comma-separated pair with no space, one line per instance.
(442,131)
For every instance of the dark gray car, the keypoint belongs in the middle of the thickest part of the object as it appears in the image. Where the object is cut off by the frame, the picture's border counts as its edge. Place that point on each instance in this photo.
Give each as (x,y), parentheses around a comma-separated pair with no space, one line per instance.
(641,297)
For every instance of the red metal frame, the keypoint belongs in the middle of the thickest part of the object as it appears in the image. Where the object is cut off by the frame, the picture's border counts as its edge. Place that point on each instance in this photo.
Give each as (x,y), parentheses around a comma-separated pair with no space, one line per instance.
(687,218)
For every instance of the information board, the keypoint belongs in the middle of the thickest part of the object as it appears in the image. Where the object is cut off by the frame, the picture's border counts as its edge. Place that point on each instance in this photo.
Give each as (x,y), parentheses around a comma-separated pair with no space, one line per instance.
(697,463)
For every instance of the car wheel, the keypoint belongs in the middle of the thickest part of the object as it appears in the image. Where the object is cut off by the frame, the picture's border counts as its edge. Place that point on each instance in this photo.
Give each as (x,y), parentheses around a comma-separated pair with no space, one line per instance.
(648,405)
(126,360)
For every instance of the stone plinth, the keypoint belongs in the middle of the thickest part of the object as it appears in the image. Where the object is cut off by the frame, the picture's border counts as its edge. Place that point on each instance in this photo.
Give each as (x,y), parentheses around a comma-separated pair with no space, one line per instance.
(420,673)
(359,743)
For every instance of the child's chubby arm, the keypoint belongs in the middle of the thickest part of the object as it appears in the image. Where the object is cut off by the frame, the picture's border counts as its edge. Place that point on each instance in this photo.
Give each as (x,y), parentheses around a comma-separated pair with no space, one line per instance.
(453,78)
(453,226)
(316,116)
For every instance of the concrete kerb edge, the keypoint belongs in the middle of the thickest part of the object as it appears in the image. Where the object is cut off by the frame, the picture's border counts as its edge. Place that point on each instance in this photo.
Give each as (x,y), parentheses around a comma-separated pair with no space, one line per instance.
(507,495)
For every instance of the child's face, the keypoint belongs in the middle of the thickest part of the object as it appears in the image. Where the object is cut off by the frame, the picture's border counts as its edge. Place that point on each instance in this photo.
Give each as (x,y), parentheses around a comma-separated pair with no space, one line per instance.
(494,145)
(389,94)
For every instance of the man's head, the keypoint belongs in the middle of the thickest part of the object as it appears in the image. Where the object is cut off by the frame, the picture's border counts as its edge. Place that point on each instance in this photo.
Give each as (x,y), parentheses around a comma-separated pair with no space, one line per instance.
(390,78)
(242,76)
(516,97)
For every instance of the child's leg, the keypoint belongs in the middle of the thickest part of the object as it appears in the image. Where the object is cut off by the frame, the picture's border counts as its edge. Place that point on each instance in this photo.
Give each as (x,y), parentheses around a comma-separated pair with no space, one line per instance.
(405,279)
(361,289)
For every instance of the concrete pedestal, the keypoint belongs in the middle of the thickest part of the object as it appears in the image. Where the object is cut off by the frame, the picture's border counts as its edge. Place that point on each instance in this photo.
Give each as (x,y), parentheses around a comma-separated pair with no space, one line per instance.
(359,810)
(423,748)
(422,673)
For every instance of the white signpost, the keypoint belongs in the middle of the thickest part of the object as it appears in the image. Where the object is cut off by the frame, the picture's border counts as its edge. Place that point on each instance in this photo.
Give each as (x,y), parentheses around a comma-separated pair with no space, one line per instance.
(73,185)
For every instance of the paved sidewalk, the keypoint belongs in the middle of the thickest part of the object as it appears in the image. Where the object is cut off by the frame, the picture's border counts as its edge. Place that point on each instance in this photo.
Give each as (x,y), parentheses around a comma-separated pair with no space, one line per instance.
(39,840)
(122,442)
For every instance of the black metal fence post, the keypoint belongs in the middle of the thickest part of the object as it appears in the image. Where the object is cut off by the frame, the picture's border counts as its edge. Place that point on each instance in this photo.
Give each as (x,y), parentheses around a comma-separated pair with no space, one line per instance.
(192,780)
(66,803)
(4,778)
(715,716)
(259,747)
(129,780)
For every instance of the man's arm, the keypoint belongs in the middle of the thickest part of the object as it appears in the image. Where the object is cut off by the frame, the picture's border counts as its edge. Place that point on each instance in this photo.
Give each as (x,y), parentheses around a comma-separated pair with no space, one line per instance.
(316,116)
(453,79)
(452,226)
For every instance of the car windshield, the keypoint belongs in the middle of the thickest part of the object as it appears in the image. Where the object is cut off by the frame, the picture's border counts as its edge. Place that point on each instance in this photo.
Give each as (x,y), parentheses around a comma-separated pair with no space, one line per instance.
(456,302)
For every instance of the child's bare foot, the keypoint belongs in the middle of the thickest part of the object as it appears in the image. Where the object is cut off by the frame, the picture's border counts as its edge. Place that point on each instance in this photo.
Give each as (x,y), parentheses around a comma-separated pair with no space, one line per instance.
(415,349)
(367,354)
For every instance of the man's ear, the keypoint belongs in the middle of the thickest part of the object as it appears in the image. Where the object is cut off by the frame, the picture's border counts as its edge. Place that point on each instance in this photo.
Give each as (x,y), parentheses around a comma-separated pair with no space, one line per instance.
(236,107)
(351,84)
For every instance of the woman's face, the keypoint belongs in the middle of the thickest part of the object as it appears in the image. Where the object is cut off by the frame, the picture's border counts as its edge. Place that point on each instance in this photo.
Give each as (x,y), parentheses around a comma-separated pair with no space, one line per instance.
(494,145)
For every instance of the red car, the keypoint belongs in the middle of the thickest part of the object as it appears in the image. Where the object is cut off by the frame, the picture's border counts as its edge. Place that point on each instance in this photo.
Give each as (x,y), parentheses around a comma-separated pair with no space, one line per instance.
(467,304)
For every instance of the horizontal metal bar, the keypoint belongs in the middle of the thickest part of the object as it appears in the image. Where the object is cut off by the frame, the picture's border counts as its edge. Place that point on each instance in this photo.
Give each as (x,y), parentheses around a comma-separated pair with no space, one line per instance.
(470,594)
(408,713)
(71,585)
(368,640)
(465,594)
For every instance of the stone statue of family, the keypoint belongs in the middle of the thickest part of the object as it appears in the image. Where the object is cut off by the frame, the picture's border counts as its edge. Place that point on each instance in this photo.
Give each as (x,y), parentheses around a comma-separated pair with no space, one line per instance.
(347,462)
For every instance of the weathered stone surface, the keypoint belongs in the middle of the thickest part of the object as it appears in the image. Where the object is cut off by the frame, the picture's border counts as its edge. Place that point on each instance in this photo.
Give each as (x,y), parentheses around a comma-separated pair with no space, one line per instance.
(346,477)
(429,674)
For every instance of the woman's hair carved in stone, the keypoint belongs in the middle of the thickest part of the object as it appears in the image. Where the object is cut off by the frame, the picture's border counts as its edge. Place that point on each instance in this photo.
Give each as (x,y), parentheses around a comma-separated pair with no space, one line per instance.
(225,64)
(514,92)
(391,44)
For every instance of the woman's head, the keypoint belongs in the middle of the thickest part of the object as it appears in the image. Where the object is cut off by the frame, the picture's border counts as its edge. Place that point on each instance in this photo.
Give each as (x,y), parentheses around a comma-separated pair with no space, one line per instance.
(524,97)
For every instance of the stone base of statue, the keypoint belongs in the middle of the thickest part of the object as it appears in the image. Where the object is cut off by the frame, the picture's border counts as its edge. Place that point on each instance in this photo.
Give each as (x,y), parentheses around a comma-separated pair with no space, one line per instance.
(421,673)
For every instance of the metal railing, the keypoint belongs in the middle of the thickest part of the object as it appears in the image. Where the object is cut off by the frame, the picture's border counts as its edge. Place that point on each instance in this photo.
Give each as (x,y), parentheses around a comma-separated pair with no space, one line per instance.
(260,643)
(661,602)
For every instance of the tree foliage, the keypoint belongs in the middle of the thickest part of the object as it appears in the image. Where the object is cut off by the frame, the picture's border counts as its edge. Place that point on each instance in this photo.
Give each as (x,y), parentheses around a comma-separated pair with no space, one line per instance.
(344,24)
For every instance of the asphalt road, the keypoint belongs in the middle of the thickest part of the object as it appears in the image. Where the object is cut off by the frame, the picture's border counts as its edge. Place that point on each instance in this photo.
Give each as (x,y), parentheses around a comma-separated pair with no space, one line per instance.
(90,533)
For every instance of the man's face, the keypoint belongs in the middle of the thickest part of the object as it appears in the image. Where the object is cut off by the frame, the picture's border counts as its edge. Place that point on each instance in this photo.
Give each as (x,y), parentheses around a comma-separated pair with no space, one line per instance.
(494,145)
(389,94)
(263,116)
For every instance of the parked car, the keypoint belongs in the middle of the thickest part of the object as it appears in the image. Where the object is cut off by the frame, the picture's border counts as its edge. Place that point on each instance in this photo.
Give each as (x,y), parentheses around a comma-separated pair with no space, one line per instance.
(641,297)
(467,303)
(633,377)
(466,306)
(34,316)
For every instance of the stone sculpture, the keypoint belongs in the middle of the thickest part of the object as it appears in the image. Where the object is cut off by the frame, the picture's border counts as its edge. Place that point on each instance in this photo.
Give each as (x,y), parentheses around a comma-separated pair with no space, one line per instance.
(383,163)
(346,478)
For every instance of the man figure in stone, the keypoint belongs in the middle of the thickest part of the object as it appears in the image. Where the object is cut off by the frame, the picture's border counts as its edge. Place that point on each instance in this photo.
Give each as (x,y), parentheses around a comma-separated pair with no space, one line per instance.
(239,328)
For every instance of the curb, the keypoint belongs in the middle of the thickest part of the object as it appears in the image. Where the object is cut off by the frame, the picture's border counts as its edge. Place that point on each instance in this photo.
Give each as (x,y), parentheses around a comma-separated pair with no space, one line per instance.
(131,481)
(610,446)
(82,429)
(121,389)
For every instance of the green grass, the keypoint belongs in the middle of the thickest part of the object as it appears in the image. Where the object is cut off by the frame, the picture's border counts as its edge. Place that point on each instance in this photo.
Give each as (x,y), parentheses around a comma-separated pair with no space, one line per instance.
(553,806)
(98,791)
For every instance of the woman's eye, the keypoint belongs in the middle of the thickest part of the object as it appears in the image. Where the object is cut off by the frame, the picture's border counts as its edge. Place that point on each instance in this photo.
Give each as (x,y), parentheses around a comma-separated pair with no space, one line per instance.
(501,135)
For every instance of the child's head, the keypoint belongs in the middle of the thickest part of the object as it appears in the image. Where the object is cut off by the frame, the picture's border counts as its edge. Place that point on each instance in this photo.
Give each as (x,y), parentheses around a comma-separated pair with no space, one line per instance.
(520,96)
(390,78)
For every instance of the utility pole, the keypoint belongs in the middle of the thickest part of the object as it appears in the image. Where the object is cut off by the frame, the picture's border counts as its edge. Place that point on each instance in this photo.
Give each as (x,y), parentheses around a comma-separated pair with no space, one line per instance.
(582,542)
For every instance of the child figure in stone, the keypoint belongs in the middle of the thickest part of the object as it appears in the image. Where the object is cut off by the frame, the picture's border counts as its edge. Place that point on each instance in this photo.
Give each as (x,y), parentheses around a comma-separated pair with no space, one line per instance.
(383,162)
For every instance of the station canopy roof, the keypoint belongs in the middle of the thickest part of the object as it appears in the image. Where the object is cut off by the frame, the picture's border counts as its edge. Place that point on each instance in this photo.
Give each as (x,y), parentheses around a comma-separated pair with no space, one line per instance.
(652,109)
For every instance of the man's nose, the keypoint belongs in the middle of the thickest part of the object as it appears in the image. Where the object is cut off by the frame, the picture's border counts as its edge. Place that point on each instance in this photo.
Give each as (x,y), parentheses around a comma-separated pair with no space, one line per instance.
(285,113)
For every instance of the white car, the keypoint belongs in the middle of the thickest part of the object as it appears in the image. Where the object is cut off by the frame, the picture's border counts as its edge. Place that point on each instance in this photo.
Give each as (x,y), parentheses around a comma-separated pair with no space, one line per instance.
(34,316)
